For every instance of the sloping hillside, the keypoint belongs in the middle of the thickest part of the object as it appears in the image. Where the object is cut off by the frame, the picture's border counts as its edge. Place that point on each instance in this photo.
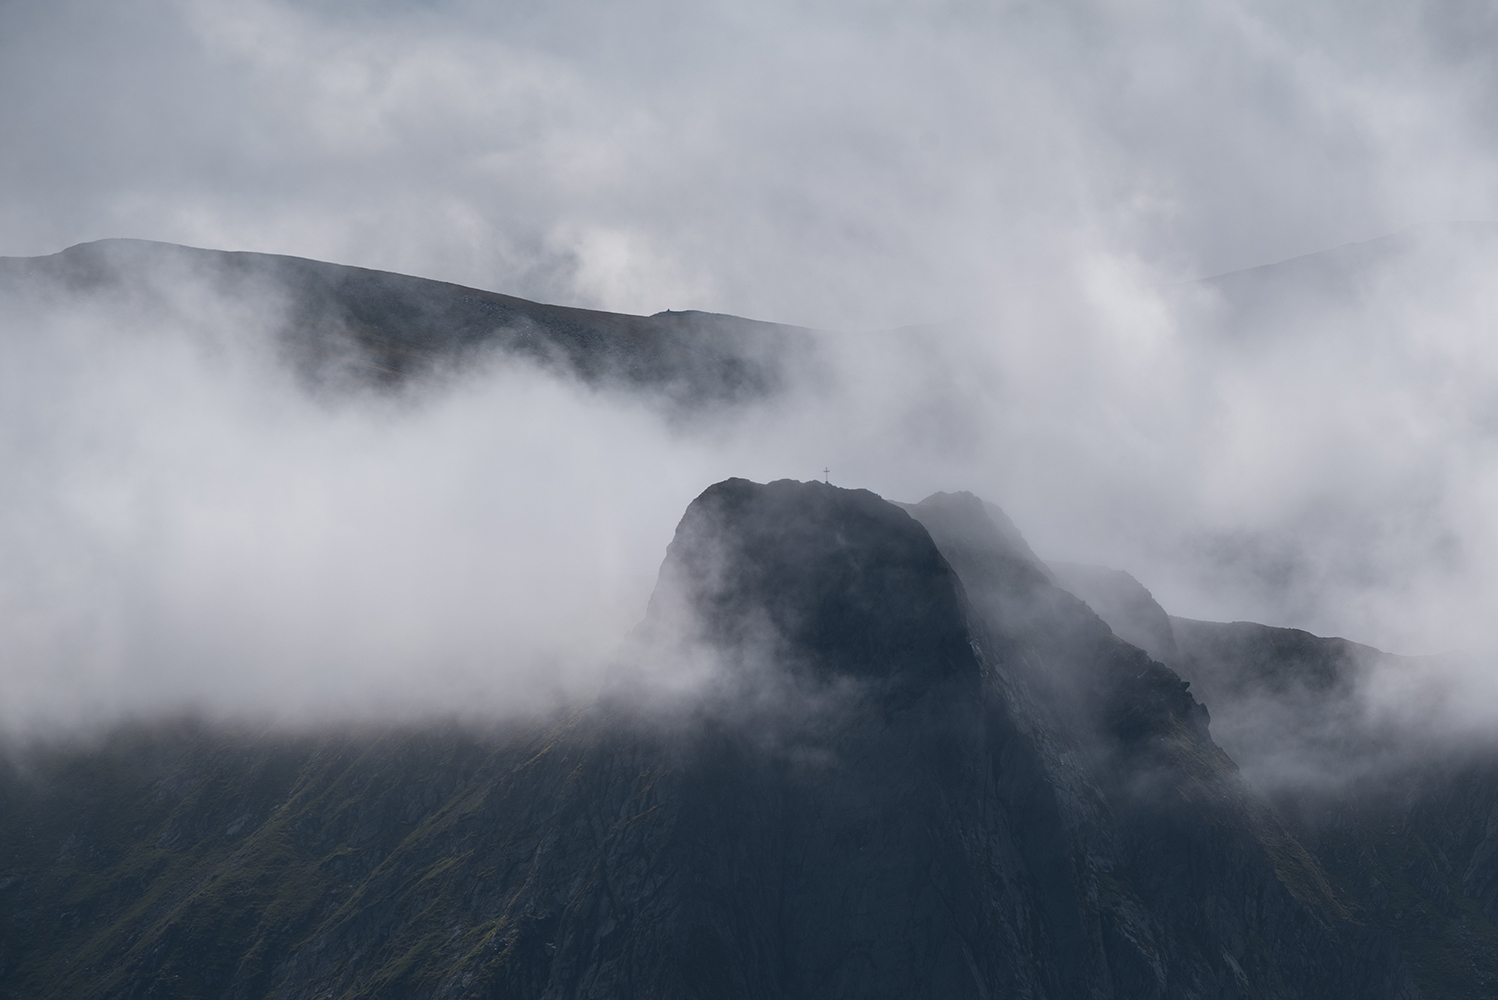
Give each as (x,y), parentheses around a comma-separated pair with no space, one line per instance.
(337,323)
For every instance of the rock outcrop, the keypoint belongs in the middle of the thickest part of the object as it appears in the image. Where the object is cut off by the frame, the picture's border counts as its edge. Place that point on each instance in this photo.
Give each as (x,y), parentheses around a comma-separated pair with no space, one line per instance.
(1401,816)
(1123,602)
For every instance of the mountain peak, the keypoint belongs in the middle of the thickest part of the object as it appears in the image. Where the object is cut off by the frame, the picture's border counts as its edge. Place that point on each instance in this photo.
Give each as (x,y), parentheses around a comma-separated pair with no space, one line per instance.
(831,582)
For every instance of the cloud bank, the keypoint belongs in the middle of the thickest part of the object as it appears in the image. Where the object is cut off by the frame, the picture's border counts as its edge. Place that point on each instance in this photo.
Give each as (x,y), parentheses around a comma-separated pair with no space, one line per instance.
(1000,208)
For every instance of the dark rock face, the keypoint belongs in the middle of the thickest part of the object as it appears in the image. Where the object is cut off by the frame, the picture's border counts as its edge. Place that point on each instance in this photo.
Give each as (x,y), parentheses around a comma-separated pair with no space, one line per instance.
(1239,658)
(1123,602)
(340,325)
(1161,831)
(963,785)
(837,579)
(1288,705)
(1402,822)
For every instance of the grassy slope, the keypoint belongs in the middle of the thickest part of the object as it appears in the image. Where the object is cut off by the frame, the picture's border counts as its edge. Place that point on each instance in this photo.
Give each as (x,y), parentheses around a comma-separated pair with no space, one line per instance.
(178,863)
(174,867)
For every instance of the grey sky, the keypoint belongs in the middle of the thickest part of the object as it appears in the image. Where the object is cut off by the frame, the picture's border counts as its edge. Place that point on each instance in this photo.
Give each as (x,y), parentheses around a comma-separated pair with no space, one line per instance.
(850,164)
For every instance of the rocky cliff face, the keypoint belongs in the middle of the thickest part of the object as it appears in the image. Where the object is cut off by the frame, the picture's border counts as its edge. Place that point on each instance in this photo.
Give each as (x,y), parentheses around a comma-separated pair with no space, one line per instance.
(923,770)
(1123,602)
(1401,819)
(1191,870)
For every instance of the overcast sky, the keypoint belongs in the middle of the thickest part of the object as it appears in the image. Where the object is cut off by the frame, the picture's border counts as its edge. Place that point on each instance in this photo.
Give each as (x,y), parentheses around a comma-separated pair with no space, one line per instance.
(835,164)
(1042,179)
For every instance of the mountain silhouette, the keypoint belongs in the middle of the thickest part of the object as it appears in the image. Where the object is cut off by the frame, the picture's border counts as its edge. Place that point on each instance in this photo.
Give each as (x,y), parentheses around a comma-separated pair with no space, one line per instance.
(340,325)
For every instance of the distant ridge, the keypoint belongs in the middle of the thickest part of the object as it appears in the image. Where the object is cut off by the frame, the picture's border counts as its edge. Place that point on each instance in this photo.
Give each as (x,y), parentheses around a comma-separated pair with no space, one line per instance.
(1271,298)
(378,327)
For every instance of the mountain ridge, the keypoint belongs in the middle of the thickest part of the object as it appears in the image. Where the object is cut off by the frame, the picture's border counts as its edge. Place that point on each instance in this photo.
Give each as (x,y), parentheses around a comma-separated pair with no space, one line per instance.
(340,324)
(981,792)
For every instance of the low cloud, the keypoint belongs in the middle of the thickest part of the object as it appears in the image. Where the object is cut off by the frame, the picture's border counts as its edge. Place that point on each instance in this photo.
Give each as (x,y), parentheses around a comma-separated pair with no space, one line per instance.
(186,526)
(189,524)
(1036,187)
